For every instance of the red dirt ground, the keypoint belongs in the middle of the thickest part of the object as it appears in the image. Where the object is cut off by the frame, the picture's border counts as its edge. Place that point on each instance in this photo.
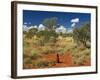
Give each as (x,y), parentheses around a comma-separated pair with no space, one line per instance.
(65,61)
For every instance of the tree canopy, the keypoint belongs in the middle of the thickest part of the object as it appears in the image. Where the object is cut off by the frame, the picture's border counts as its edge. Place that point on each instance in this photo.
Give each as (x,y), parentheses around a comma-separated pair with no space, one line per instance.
(50,23)
(82,34)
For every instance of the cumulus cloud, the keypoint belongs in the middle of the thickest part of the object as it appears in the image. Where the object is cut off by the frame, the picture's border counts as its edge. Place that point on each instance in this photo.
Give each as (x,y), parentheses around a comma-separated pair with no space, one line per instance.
(25,28)
(41,27)
(33,27)
(75,20)
(73,24)
(61,29)
(25,23)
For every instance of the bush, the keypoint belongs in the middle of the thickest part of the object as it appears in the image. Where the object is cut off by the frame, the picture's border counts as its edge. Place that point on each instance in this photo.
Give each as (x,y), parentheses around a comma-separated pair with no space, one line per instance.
(27,61)
(82,34)
(26,44)
(47,50)
(26,55)
(41,63)
(79,55)
(62,50)
(35,54)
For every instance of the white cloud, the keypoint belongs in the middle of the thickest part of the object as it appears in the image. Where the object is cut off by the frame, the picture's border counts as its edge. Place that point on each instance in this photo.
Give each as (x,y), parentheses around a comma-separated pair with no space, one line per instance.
(73,24)
(25,28)
(69,30)
(33,27)
(25,23)
(41,27)
(61,29)
(75,20)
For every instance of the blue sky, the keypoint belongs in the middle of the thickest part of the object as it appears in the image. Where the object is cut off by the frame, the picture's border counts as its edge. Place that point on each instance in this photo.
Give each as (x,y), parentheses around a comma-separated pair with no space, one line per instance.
(31,17)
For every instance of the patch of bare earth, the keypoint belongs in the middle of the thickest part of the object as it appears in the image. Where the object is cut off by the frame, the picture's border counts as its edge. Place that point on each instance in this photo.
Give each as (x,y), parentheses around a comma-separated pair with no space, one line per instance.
(65,60)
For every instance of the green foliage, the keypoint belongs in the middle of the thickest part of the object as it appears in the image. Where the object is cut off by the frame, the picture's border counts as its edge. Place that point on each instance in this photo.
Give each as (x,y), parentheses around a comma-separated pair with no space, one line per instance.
(35,54)
(26,44)
(24,32)
(44,33)
(82,34)
(31,32)
(68,35)
(50,22)
(53,36)
(47,36)
(27,61)
(42,63)
(80,54)
(60,50)
(48,49)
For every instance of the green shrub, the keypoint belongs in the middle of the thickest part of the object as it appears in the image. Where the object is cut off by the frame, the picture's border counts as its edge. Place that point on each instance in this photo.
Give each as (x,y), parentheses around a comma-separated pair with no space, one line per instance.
(79,55)
(61,50)
(47,50)
(35,54)
(26,44)
(41,63)
(27,61)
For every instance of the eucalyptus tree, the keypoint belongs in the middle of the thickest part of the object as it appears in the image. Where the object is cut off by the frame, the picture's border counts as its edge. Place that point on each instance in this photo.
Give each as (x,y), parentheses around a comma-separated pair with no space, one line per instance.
(82,34)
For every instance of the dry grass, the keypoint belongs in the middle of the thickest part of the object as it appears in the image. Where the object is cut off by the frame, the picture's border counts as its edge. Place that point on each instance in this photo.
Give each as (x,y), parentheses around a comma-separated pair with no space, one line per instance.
(33,51)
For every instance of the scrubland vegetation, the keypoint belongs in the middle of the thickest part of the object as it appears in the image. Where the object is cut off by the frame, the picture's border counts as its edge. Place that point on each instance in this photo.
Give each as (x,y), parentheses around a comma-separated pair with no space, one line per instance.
(48,49)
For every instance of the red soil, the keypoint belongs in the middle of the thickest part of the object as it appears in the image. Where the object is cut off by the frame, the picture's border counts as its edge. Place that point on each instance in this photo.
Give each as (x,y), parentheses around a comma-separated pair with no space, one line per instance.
(87,62)
(65,60)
